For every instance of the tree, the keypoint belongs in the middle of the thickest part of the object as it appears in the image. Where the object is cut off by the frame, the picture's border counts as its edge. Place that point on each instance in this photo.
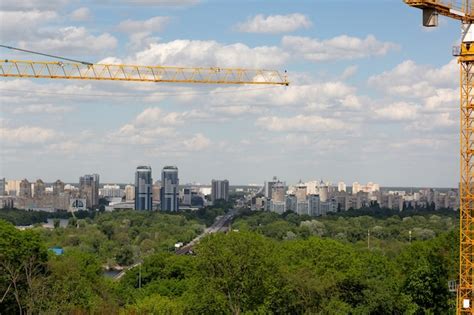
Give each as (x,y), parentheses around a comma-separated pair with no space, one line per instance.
(75,284)
(124,256)
(236,272)
(22,262)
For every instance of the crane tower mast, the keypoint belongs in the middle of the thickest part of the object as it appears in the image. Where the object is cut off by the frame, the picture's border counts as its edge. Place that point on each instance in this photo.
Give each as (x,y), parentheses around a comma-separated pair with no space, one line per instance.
(462,11)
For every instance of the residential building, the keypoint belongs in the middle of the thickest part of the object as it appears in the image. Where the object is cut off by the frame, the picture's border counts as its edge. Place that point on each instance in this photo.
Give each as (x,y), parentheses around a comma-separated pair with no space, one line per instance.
(269,187)
(3,187)
(89,189)
(143,188)
(129,193)
(58,188)
(220,190)
(170,189)
(25,189)
(300,192)
(40,188)
(313,205)
(341,186)
(111,191)
(156,191)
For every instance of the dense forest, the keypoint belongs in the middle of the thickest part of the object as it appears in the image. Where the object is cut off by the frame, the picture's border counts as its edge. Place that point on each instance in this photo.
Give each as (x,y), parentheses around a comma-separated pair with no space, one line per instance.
(268,263)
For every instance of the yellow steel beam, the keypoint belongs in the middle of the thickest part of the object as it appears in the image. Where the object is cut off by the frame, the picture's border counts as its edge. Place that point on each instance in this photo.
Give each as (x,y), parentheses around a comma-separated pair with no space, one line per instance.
(466,229)
(457,9)
(77,71)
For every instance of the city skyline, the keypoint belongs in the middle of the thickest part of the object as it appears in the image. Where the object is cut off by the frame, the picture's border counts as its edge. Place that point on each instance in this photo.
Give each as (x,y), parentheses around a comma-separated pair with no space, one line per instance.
(382,111)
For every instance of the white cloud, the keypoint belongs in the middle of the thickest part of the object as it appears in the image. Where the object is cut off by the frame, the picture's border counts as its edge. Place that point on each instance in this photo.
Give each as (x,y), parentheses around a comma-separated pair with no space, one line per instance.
(413,80)
(308,123)
(32,4)
(331,93)
(72,40)
(172,3)
(153,127)
(274,23)
(349,72)
(40,109)
(209,53)
(154,24)
(81,14)
(26,135)
(443,99)
(337,48)
(397,111)
(155,116)
(434,122)
(197,143)
(23,24)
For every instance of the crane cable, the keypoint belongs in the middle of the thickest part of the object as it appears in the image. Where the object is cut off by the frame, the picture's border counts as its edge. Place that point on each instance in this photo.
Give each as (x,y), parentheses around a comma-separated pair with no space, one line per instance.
(47,55)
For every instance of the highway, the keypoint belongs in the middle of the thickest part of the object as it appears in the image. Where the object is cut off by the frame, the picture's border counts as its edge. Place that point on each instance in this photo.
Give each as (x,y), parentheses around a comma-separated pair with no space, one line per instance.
(219,225)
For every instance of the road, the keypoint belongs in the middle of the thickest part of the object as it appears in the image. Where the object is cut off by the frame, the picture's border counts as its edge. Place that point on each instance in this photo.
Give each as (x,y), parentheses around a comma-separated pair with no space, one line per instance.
(220,224)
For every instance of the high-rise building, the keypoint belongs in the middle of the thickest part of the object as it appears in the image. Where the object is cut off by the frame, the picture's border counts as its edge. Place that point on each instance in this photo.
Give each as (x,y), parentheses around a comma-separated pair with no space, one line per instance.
(25,189)
(341,186)
(89,189)
(187,196)
(314,205)
(40,188)
(3,187)
(58,188)
(129,193)
(156,191)
(143,188)
(269,187)
(323,192)
(13,187)
(356,187)
(220,190)
(300,192)
(111,191)
(278,192)
(291,203)
(169,189)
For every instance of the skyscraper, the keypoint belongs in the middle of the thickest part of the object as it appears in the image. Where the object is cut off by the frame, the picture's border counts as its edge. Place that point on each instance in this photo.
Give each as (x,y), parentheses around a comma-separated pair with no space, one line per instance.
(169,189)
(129,193)
(143,188)
(3,187)
(220,190)
(269,187)
(25,189)
(89,189)
(156,191)
(58,187)
(39,188)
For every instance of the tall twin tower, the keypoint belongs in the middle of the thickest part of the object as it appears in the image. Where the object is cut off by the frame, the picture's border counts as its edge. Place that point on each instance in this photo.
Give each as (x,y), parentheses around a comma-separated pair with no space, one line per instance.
(169,191)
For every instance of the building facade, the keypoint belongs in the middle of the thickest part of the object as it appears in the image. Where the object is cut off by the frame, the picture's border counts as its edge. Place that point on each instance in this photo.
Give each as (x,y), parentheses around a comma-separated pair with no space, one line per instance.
(220,190)
(89,189)
(40,189)
(25,189)
(170,189)
(3,187)
(143,188)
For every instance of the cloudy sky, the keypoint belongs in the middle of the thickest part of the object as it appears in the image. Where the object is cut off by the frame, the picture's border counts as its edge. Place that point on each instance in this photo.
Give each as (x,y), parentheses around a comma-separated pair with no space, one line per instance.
(373,95)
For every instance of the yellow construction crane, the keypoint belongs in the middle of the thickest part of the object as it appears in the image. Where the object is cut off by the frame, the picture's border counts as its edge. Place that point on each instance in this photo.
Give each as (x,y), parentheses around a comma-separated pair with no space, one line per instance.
(80,70)
(462,11)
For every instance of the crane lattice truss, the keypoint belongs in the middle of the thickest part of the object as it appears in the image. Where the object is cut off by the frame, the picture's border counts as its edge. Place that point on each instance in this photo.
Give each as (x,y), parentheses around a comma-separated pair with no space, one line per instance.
(80,71)
(461,10)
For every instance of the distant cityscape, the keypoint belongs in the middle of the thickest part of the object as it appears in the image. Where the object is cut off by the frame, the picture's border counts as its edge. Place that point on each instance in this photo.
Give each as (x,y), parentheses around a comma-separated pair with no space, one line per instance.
(313,198)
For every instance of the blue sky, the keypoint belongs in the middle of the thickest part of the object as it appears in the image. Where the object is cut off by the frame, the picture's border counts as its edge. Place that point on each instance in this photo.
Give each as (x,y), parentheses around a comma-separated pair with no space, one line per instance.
(373,95)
